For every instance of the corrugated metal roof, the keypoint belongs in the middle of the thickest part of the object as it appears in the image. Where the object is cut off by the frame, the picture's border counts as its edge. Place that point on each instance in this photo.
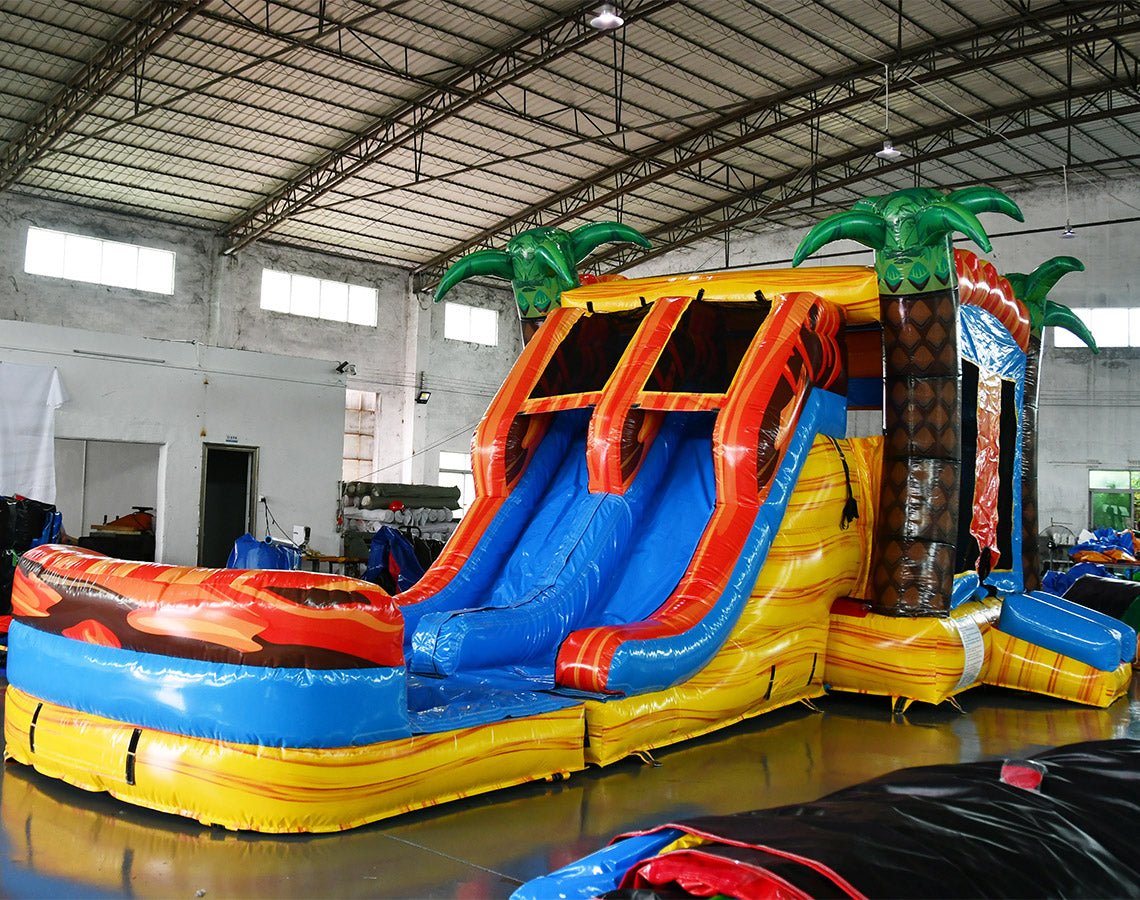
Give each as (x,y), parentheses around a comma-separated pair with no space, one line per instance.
(411,131)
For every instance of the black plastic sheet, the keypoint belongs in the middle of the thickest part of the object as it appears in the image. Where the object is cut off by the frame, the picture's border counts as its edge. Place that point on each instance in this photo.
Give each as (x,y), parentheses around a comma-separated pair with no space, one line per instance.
(936,831)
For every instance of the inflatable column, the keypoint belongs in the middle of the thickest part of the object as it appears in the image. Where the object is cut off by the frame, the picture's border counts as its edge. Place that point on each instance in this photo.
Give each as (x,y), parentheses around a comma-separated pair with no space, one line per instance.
(1033,290)
(909,230)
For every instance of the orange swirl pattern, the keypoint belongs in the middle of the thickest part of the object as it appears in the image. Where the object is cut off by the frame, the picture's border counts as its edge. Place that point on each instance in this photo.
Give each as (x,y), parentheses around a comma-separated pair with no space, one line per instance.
(1015,663)
(246,617)
(979,284)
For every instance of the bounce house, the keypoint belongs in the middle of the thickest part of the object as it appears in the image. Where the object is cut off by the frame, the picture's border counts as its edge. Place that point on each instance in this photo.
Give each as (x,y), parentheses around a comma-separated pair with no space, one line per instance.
(671,534)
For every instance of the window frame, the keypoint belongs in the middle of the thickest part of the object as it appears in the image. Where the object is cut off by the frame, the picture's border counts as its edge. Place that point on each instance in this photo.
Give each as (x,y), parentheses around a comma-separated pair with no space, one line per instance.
(1131,489)
(1108,335)
(94,269)
(309,293)
(371,464)
(467,479)
(459,323)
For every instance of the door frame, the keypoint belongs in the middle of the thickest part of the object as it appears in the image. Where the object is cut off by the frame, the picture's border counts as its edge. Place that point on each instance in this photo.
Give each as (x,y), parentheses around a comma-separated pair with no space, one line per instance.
(253,454)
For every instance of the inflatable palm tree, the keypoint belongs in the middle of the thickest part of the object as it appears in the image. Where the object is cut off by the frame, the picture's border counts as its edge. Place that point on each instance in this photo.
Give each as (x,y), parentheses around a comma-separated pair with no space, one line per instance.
(540,263)
(909,230)
(1033,290)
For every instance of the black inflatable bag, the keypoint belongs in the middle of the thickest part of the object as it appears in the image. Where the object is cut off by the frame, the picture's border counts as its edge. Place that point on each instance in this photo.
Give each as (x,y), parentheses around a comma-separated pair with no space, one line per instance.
(948,831)
(1111,596)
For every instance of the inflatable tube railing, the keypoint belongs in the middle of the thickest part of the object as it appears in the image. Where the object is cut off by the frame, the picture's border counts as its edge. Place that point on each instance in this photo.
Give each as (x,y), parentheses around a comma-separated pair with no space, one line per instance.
(269,658)
(1068,628)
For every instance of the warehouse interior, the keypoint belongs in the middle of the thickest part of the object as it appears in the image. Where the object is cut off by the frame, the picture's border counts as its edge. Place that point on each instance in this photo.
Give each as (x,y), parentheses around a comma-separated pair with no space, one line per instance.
(362,147)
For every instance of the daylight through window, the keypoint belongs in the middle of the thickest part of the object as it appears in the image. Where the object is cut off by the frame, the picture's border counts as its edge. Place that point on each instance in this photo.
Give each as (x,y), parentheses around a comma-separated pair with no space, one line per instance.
(58,254)
(360,408)
(455,471)
(1117,326)
(318,298)
(470,323)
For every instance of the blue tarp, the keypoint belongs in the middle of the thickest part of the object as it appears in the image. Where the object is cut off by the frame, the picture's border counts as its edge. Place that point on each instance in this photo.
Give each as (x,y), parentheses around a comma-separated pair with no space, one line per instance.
(250,553)
(393,554)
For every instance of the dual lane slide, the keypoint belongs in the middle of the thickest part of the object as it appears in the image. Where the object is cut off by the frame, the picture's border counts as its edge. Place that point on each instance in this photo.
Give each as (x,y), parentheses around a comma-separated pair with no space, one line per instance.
(624,591)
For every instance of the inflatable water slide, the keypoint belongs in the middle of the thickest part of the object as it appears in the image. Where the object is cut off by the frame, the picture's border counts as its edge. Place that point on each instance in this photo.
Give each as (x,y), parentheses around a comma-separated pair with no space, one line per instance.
(671,533)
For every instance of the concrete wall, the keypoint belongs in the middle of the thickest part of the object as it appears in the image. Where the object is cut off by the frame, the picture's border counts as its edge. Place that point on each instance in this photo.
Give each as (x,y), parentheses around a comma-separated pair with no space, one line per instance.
(1090,405)
(1088,418)
(462,377)
(216,303)
(179,395)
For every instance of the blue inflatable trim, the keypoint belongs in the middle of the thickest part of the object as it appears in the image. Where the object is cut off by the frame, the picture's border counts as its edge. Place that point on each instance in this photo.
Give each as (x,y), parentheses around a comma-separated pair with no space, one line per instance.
(1067,628)
(217,701)
(656,664)
(966,587)
(1124,632)
(598,873)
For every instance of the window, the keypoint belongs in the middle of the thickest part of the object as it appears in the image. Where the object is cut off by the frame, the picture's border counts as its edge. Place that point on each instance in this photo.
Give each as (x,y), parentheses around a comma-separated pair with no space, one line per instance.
(318,298)
(470,323)
(455,471)
(58,254)
(1112,327)
(360,408)
(1114,499)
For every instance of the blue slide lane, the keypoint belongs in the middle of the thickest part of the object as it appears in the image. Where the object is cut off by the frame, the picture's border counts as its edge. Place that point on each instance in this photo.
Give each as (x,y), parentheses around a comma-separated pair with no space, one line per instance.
(578,548)
(477,575)
(257,705)
(653,665)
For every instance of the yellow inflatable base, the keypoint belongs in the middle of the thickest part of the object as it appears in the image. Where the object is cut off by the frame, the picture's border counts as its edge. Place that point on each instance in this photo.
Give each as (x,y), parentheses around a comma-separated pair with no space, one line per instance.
(280,790)
(908,659)
(619,728)
(933,659)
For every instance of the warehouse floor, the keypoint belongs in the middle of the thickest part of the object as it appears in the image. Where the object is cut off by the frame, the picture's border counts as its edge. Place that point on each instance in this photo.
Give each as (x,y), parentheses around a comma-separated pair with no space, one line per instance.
(63,842)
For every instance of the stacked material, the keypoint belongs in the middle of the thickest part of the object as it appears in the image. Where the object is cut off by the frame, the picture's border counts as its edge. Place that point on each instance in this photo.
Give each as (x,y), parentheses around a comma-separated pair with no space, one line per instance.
(426,507)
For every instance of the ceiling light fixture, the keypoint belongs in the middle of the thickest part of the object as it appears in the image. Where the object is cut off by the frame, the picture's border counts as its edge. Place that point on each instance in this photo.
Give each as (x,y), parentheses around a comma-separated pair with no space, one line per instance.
(1068,232)
(888,153)
(606,18)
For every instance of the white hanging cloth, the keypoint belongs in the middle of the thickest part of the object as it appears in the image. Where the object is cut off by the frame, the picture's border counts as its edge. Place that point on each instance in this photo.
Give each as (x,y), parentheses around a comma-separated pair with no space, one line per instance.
(29,397)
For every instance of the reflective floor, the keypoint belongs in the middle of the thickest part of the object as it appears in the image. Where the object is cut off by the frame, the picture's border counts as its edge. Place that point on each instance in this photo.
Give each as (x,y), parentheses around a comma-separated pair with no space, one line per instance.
(63,842)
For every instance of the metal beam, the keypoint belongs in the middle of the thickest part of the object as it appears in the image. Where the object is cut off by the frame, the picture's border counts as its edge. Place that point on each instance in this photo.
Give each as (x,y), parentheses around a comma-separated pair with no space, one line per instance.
(127,48)
(934,61)
(504,66)
(1032,117)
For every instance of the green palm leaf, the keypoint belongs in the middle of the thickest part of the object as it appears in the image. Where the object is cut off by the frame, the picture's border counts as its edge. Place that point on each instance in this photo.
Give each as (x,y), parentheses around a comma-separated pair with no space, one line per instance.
(1061,316)
(868,228)
(494,263)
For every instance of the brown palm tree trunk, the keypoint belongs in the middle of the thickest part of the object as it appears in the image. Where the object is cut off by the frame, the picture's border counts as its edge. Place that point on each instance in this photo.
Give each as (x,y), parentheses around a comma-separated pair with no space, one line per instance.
(917,528)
